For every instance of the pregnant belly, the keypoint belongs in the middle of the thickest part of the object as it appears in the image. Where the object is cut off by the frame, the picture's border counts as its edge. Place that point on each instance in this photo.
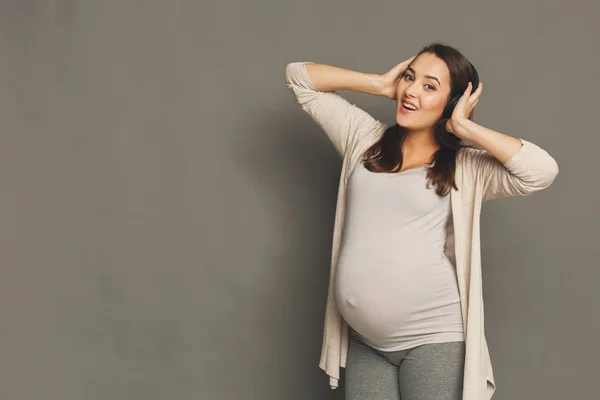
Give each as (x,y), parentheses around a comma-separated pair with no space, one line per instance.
(381,299)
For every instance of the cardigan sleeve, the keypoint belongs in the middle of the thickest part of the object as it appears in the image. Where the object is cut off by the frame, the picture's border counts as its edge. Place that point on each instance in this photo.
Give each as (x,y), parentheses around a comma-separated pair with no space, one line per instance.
(529,170)
(343,123)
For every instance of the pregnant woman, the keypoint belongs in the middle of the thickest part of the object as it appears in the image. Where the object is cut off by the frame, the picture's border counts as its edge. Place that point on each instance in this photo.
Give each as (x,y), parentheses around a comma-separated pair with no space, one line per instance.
(404,310)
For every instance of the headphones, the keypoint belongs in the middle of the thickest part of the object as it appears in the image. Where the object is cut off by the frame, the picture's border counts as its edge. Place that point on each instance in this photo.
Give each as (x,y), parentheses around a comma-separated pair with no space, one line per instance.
(456,96)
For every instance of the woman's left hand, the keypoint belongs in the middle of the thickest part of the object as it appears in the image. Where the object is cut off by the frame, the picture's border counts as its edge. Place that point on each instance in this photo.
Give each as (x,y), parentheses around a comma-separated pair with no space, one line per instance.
(463,109)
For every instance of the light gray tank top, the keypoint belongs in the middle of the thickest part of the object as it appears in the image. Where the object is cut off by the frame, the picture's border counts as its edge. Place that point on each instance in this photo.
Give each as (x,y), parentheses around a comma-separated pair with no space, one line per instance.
(394,285)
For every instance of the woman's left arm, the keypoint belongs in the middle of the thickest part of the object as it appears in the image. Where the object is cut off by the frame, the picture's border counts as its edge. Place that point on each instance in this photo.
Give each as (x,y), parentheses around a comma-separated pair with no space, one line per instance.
(508,166)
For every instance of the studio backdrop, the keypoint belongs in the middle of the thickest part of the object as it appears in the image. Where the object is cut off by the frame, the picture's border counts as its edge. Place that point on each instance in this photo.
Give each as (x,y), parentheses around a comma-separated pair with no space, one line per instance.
(167,208)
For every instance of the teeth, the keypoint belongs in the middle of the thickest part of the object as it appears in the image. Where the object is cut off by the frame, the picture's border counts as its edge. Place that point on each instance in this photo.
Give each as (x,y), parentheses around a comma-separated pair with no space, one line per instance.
(409,106)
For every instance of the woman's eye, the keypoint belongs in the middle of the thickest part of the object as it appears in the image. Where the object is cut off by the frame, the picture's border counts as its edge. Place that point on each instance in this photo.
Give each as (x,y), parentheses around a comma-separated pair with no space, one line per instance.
(429,86)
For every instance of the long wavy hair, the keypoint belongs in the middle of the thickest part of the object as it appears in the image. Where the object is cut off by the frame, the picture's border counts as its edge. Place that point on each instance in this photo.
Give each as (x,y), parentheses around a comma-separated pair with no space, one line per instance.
(386,154)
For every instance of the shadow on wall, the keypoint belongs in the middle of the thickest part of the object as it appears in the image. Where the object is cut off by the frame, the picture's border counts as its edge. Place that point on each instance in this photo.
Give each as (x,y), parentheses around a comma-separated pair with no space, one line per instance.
(295,171)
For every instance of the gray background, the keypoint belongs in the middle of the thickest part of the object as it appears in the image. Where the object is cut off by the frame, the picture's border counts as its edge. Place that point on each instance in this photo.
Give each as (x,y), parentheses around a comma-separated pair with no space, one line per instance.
(167,208)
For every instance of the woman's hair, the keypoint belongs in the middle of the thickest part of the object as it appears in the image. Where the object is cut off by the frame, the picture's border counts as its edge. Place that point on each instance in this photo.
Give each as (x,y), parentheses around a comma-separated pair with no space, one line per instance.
(386,154)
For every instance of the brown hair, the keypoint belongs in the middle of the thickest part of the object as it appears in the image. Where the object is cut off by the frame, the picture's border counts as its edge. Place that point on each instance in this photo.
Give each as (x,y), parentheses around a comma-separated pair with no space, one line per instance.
(386,154)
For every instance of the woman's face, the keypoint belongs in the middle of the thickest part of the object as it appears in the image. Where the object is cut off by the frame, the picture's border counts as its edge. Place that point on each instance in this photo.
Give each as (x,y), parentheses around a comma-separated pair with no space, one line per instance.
(426,85)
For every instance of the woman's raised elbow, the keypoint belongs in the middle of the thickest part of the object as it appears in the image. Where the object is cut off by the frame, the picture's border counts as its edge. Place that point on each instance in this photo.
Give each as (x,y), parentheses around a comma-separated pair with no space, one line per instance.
(551,171)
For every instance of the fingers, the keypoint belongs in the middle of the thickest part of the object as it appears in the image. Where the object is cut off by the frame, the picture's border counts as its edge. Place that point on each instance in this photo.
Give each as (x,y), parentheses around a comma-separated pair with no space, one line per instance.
(465,94)
(468,88)
(473,98)
(410,60)
(395,72)
(468,101)
(477,92)
(404,64)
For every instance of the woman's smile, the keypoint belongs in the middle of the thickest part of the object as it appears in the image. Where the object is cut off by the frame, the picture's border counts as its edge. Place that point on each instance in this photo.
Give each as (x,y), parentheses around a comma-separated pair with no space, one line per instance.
(406,110)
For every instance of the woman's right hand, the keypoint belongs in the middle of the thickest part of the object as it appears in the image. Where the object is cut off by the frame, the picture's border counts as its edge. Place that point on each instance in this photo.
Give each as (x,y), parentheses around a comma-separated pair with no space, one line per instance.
(389,81)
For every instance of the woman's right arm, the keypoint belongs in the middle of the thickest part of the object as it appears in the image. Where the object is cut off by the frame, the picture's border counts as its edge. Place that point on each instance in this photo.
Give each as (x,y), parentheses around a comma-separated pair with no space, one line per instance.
(327,78)
(314,86)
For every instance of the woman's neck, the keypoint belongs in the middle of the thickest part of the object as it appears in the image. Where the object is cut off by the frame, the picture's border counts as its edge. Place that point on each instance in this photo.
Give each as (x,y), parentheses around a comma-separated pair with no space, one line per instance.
(418,145)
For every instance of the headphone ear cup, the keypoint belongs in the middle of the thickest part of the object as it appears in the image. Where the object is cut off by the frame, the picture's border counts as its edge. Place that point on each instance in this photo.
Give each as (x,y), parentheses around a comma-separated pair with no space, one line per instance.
(475,79)
(450,106)
(449,109)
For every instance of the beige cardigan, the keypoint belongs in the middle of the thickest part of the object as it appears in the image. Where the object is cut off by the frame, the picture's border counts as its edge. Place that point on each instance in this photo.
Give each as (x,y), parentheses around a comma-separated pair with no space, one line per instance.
(479,177)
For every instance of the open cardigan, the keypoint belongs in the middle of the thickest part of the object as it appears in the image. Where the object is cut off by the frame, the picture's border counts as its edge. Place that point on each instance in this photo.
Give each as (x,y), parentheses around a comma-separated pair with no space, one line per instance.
(479,177)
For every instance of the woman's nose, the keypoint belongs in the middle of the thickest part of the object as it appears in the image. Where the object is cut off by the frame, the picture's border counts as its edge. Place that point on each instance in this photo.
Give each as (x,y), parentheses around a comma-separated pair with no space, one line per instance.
(410,91)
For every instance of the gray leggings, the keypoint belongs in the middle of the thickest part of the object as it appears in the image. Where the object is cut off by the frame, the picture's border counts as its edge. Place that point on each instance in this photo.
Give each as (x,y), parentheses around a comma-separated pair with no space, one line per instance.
(426,372)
